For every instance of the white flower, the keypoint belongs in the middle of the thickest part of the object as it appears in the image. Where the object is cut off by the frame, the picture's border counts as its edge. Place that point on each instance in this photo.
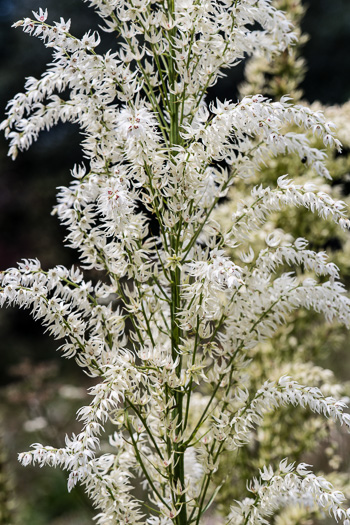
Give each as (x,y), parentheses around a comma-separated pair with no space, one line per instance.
(41,16)
(135,123)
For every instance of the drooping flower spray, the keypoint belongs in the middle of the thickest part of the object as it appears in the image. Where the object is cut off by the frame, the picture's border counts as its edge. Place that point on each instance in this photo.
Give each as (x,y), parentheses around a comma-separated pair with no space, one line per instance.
(170,326)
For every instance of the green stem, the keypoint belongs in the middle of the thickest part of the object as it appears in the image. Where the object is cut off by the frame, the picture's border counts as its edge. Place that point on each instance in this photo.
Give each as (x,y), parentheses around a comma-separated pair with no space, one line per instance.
(141,463)
(175,139)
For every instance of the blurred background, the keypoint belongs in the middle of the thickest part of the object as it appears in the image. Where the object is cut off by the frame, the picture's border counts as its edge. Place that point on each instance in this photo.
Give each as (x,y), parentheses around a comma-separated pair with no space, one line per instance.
(39,391)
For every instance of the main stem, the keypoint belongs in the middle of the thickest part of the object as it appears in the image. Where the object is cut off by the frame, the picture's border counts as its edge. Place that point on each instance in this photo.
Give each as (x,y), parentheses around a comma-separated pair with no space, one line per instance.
(175,139)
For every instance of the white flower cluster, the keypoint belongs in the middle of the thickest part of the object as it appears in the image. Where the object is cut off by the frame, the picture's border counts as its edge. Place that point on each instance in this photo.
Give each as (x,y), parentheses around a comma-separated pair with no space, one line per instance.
(295,254)
(271,396)
(253,213)
(170,326)
(289,485)
(64,303)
